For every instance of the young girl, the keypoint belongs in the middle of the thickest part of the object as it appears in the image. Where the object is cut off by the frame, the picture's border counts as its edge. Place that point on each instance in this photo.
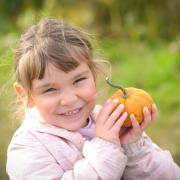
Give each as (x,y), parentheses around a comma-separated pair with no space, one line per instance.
(64,135)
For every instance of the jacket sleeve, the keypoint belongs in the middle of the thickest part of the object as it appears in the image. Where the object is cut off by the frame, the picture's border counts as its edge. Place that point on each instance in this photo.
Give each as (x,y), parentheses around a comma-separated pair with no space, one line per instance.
(101,161)
(148,161)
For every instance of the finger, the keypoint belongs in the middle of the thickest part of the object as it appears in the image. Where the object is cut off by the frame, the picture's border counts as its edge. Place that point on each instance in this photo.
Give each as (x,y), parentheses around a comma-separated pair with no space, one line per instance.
(118,124)
(107,109)
(134,122)
(136,130)
(154,112)
(147,118)
(114,116)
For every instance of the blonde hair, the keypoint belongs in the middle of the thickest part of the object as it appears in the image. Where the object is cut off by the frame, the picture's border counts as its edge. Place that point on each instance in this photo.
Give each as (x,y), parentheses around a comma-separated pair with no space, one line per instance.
(51,42)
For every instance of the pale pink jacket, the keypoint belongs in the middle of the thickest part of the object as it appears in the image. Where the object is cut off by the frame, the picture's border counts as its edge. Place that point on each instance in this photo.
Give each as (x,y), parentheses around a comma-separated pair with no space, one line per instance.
(43,152)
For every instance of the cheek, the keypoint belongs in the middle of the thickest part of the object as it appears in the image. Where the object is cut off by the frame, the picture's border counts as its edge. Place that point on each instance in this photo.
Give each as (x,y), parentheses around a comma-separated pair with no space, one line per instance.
(90,93)
(45,105)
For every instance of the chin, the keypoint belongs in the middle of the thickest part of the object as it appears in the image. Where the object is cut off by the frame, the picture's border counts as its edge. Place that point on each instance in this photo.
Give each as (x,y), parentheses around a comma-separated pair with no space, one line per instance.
(76,128)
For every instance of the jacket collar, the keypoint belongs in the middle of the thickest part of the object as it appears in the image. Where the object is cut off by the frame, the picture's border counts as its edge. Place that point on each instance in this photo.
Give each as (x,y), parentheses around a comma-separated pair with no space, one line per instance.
(34,122)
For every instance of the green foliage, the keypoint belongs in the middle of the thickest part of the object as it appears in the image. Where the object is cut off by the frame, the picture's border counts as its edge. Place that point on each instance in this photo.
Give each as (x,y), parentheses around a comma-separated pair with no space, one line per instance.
(137,20)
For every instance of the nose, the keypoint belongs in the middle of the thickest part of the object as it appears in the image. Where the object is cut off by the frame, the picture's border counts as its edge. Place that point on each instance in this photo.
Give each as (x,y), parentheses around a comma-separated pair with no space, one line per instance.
(68,98)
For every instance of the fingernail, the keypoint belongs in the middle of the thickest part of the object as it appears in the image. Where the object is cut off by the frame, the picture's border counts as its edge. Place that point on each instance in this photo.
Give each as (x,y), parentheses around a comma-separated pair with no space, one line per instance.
(121,106)
(116,101)
(108,100)
(146,108)
(132,116)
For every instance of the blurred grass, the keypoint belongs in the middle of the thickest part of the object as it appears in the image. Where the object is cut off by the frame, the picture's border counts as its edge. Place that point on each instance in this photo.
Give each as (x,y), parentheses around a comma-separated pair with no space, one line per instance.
(152,67)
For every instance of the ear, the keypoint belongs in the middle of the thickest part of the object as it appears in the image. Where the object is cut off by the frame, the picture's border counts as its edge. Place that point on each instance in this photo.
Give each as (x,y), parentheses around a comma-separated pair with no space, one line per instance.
(20,91)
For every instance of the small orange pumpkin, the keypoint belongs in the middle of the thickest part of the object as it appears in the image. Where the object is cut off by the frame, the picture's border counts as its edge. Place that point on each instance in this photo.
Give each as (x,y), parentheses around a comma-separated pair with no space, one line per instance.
(134,101)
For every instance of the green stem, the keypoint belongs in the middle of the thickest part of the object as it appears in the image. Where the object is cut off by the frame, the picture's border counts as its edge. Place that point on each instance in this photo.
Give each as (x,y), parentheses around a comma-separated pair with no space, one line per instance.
(119,87)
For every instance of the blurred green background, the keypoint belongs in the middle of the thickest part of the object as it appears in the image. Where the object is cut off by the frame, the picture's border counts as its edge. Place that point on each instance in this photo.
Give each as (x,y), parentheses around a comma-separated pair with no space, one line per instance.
(140,38)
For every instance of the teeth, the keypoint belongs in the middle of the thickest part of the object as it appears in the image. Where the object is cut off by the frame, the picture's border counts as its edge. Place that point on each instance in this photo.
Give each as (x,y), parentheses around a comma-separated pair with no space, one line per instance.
(71,112)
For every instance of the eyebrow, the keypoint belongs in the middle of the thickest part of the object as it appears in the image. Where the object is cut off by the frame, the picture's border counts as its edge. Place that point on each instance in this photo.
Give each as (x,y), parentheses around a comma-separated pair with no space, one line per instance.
(43,86)
(81,74)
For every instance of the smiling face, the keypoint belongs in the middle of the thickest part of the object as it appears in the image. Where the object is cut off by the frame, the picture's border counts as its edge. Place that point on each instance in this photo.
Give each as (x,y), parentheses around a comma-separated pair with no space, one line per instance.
(65,99)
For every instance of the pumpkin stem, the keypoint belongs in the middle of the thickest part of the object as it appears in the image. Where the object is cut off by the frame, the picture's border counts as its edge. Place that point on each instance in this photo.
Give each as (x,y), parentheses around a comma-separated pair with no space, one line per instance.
(119,87)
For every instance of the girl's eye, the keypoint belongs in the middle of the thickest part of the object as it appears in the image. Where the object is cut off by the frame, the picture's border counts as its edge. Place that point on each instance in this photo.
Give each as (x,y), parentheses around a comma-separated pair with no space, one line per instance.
(80,80)
(49,90)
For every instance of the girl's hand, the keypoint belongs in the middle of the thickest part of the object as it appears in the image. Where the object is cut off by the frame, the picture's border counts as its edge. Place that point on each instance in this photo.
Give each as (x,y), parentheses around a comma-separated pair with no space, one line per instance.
(109,121)
(130,135)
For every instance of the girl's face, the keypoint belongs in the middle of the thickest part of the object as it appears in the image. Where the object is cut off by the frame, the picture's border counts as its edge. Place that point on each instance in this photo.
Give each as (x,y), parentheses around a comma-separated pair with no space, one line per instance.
(65,99)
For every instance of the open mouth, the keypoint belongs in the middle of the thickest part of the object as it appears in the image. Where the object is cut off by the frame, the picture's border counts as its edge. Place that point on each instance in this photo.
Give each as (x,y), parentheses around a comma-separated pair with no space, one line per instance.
(75,113)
